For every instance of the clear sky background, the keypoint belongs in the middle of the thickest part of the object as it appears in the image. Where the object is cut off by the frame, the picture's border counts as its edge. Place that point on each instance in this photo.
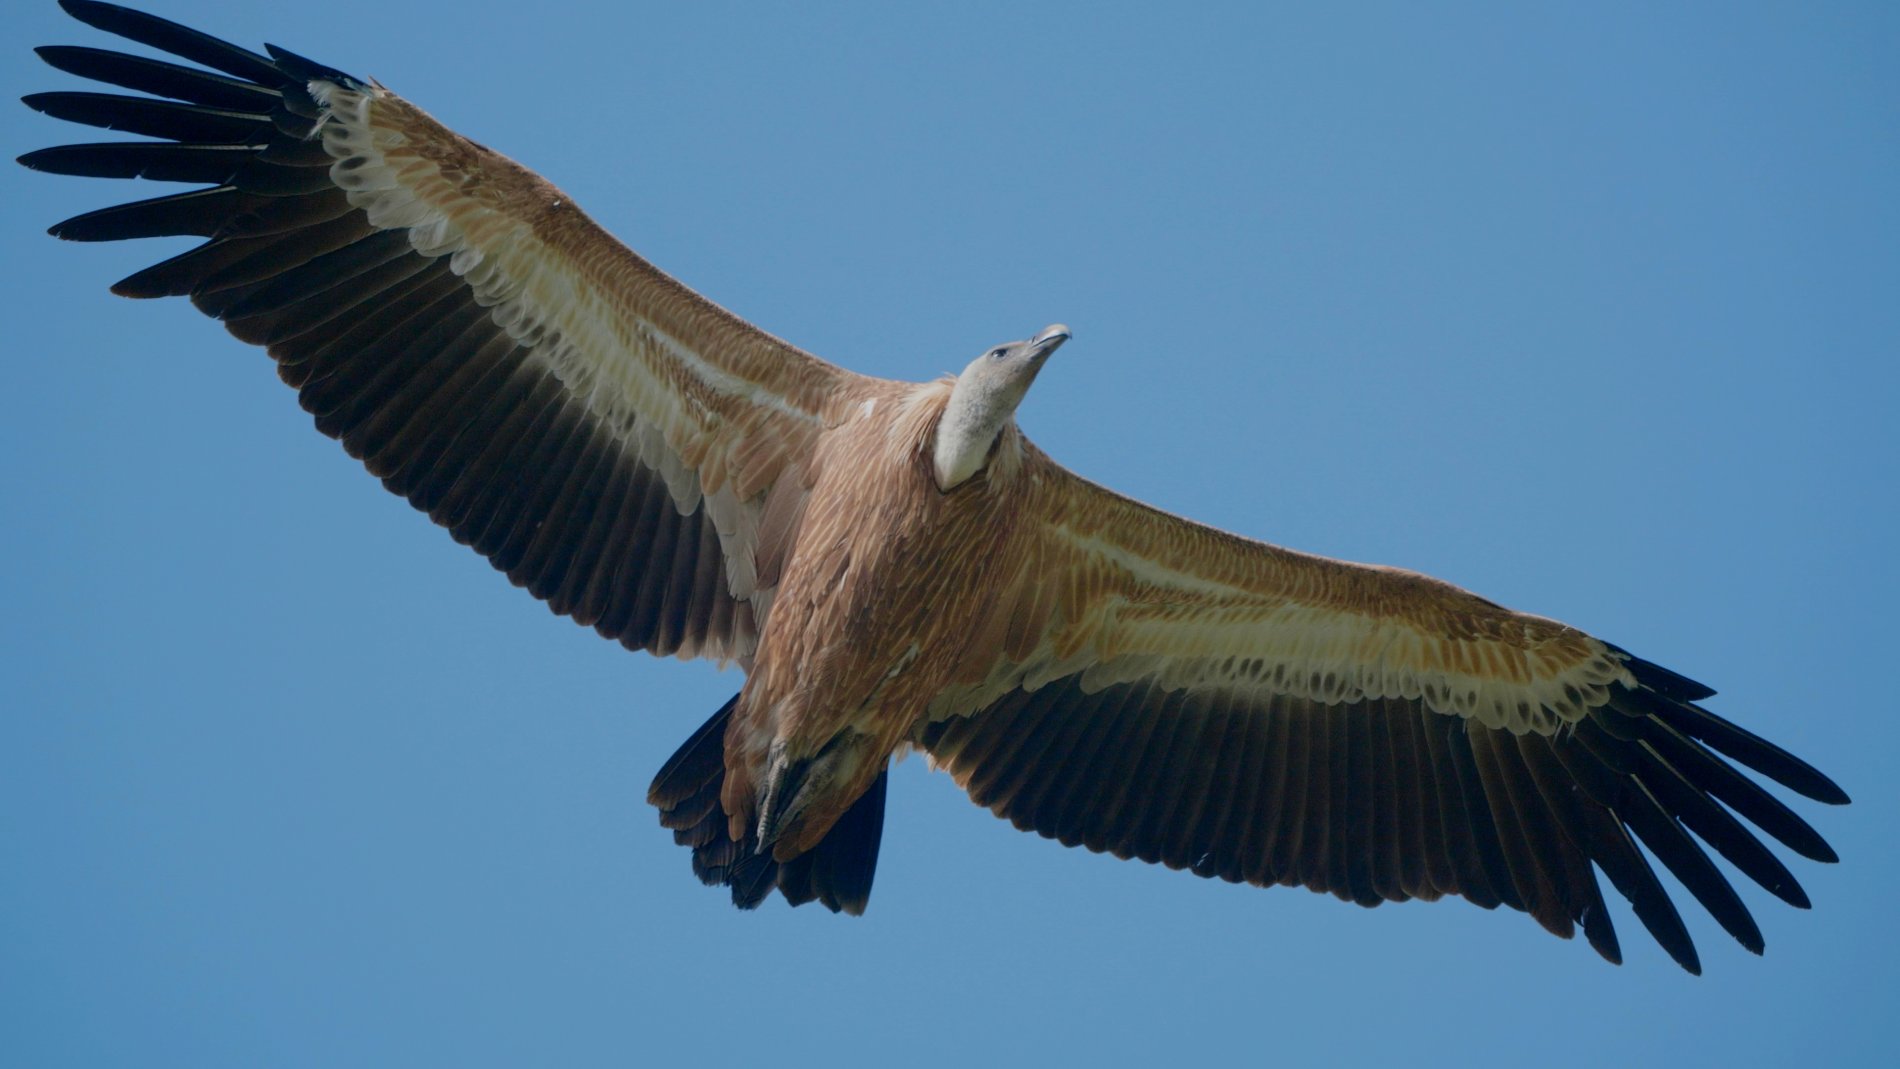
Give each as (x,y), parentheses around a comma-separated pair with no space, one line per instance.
(1594,310)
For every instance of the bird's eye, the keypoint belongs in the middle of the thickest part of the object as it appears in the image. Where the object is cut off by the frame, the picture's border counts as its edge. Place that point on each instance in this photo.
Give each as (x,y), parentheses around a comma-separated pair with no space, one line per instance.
(999,352)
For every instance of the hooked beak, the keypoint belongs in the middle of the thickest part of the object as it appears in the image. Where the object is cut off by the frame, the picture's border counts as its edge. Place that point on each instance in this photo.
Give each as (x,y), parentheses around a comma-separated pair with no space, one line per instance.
(1049,340)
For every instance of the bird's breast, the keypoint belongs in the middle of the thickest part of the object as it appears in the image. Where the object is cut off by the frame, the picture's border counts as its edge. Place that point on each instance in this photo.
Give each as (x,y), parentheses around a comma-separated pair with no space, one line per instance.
(884,585)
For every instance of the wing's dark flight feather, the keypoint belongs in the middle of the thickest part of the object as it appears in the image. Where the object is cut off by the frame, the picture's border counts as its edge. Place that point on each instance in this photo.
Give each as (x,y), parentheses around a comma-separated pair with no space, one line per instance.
(1384,800)
(387,347)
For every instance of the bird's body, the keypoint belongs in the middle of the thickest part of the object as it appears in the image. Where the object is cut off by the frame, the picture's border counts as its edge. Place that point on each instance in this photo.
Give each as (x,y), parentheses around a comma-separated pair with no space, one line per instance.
(873,621)
(895,565)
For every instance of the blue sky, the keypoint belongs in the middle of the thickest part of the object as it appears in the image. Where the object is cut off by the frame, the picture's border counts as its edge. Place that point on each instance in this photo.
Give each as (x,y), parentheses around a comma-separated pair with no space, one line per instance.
(1589,309)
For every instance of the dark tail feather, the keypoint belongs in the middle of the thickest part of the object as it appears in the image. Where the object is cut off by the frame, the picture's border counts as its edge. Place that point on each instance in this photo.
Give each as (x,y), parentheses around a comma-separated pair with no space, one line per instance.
(686,792)
(700,761)
(837,871)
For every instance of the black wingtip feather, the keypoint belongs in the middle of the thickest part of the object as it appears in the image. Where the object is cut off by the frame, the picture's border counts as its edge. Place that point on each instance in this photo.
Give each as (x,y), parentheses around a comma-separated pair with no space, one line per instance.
(1680,693)
(309,70)
(168,36)
(169,119)
(1601,932)
(1616,855)
(176,215)
(1751,750)
(1671,845)
(157,161)
(158,77)
(1662,680)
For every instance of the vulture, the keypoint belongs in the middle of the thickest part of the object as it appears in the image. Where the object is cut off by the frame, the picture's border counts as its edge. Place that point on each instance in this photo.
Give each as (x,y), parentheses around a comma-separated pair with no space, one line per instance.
(894,565)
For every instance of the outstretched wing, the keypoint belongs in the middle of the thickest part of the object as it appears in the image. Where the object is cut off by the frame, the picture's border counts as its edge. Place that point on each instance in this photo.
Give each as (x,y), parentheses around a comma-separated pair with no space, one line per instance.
(1155,688)
(604,435)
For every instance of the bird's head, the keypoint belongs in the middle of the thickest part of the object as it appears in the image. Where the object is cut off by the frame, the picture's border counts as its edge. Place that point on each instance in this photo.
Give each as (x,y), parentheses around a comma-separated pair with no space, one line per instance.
(984,400)
(1004,373)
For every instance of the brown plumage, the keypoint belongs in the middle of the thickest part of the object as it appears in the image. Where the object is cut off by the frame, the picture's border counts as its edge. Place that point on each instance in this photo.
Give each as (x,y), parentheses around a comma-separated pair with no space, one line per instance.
(894,565)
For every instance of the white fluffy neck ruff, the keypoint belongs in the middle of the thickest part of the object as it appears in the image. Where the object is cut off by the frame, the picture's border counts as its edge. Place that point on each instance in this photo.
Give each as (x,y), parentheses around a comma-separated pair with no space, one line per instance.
(968,428)
(983,402)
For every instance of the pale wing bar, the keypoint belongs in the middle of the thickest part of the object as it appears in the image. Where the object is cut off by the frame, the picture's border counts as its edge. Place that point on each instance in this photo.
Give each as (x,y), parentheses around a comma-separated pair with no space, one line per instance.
(390,349)
(1123,708)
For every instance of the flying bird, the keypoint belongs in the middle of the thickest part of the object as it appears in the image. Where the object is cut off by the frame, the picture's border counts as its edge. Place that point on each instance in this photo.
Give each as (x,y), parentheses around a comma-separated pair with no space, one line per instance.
(894,565)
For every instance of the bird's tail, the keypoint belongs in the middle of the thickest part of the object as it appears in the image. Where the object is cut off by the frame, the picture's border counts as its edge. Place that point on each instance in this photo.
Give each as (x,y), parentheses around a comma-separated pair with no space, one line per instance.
(836,872)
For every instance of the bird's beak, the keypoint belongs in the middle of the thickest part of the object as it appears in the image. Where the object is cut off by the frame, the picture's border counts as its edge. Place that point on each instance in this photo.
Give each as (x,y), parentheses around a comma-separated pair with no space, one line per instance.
(1049,340)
